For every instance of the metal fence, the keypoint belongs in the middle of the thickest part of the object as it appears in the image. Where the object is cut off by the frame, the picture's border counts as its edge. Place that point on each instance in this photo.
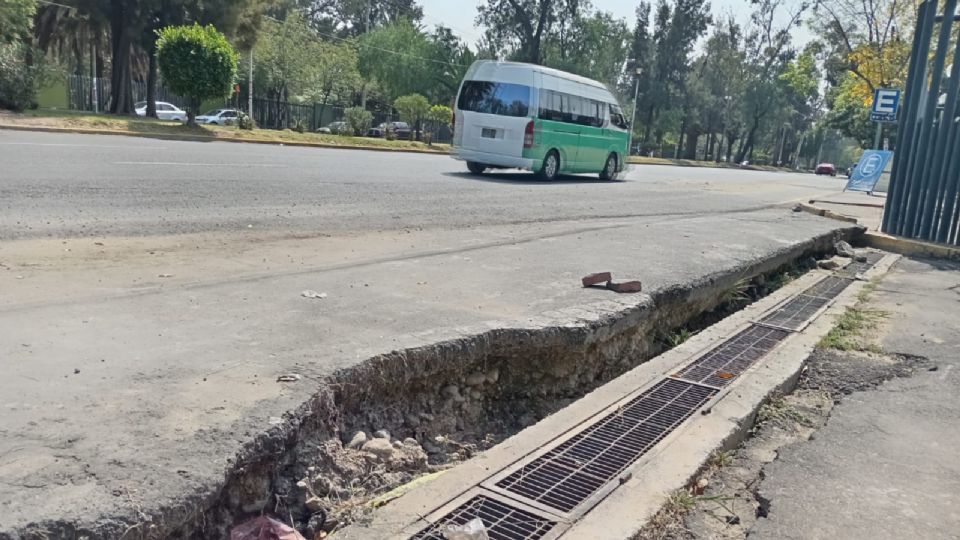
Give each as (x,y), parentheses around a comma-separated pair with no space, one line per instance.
(268,113)
(272,114)
(80,93)
(922,201)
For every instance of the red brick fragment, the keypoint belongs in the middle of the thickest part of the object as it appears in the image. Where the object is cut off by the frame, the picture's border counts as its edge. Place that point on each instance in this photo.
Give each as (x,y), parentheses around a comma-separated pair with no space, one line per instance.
(625,287)
(596,279)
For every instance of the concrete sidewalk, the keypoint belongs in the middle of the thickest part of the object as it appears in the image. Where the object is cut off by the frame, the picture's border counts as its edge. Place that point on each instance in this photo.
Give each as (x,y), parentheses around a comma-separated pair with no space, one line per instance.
(886,464)
(118,406)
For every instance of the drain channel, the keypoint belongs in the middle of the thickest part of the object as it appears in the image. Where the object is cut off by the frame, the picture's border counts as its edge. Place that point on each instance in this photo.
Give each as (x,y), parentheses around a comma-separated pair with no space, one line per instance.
(575,470)
(584,467)
(502,521)
(724,363)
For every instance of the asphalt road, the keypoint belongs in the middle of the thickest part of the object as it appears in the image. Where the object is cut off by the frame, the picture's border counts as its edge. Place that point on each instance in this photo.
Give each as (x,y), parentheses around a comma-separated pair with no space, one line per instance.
(63,186)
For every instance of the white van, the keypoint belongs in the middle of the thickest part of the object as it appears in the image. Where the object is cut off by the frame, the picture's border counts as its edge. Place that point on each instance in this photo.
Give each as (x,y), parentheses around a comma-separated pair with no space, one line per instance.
(514,115)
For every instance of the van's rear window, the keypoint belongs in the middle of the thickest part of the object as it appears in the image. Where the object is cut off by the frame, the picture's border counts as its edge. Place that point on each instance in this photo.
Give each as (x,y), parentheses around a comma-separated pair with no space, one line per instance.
(494,98)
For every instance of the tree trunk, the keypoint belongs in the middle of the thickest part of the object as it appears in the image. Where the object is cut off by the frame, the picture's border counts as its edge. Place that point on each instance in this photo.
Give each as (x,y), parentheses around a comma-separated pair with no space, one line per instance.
(690,150)
(152,84)
(708,151)
(648,126)
(748,143)
(121,88)
(730,140)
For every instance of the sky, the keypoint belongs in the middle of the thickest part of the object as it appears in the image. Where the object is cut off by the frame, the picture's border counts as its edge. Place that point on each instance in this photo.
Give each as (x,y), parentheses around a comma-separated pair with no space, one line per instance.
(459,15)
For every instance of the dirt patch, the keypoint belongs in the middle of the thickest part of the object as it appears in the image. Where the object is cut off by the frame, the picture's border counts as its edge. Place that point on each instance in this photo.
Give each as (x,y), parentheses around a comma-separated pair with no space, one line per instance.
(725,502)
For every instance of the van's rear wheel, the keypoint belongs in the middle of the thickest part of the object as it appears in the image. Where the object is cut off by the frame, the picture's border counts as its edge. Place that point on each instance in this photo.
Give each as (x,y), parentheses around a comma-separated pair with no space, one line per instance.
(476,168)
(609,171)
(551,166)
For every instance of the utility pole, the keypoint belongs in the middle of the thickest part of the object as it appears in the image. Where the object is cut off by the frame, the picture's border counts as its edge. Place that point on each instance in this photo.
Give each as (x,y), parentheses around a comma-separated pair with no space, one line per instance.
(366,30)
(250,86)
(633,118)
(93,77)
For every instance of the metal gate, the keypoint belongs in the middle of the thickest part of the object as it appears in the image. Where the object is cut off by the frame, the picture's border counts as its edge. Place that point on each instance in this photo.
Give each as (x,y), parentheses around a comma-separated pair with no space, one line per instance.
(922,200)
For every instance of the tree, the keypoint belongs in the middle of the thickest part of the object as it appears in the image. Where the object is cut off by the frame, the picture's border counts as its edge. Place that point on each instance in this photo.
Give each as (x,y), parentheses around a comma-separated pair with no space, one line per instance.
(399,57)
(16,20)
(353,18)
(438,115)
(197,62)
(412,110)
(517,28)
(594,45)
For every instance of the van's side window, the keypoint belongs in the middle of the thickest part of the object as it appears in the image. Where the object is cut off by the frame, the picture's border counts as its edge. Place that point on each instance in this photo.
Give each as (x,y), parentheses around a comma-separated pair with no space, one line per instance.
(562,107)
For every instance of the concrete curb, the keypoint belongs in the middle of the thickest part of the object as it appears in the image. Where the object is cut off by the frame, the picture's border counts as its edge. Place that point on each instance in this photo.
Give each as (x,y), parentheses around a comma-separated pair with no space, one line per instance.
(204,138)
(823,212)
(909,247)
(885,242)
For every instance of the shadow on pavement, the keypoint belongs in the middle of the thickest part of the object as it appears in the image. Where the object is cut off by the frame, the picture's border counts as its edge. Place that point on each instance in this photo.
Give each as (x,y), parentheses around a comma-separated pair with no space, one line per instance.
(528,178)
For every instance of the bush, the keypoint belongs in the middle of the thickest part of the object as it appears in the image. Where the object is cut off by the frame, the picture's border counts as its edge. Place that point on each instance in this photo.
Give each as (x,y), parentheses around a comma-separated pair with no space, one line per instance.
(299,126)
(196,62)
(22,72)
(412,109)
(389,133)
(244,121)
(359,119)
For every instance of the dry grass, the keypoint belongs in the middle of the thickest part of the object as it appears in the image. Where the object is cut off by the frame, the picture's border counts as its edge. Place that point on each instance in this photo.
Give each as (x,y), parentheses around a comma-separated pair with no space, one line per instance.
(148,126)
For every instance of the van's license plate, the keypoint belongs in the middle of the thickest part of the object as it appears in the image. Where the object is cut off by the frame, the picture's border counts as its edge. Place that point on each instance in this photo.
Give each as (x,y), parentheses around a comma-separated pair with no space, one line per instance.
(489,133)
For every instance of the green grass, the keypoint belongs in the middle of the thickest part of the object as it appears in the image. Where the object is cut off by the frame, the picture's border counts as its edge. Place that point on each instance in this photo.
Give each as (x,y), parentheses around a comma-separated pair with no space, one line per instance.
(847,333)
(678,337)
(780,409)
(147,126)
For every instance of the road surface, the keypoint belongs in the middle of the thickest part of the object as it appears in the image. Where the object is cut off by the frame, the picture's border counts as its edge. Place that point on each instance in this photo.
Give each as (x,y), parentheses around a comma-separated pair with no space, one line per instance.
(65,186)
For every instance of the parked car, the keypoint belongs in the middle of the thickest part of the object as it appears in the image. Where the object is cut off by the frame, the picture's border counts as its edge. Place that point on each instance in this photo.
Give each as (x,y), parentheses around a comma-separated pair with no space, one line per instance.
(826,168)
(336,128)
(222,117)
(165,111)
(400,129)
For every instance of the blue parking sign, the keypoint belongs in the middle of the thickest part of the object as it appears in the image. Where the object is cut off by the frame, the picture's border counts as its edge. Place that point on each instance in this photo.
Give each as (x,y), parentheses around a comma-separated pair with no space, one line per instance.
(868,171)
(886,101)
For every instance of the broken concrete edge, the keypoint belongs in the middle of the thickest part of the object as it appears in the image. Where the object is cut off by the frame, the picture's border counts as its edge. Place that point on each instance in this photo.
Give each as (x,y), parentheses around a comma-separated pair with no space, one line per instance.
(407,515)
(909,247)
(204,138)
(611,327)
(823,212)
(676,464)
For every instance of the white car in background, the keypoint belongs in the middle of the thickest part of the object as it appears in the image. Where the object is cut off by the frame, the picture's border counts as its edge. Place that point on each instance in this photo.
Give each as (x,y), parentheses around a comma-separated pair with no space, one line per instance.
(221,117)
(165,111)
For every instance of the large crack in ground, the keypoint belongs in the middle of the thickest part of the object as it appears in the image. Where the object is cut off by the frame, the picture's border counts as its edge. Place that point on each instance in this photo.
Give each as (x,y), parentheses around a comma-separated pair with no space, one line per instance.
(423,410)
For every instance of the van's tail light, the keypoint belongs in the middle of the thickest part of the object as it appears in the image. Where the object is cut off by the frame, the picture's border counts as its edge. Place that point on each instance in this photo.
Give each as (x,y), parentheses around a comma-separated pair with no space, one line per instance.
(528,135)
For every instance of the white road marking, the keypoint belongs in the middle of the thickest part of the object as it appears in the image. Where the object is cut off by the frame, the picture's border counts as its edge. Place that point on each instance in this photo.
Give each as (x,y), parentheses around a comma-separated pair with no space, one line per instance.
(83,145)
(945,371)
(187,164)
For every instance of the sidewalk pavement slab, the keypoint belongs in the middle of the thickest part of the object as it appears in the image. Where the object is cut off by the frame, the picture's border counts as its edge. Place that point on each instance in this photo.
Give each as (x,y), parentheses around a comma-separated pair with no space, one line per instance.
(886,464)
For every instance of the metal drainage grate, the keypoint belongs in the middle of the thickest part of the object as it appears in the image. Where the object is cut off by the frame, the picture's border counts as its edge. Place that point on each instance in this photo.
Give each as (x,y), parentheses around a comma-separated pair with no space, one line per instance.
(795,314)
(855,268)
(828,287)
(569,474)
(722,364)
(503,521)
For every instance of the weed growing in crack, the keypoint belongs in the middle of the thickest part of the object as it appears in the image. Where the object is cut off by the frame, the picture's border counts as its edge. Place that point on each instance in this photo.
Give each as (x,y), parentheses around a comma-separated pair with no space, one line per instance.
(722,458)
(847,333)
(780,409)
